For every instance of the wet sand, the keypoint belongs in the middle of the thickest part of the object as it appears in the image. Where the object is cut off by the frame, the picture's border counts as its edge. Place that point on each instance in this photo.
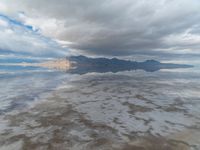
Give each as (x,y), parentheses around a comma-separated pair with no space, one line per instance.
(52,126)
(102,112)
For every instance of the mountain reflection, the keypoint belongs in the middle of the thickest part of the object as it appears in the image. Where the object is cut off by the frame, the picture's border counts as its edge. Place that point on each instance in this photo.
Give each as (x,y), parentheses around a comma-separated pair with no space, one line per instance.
(83,65)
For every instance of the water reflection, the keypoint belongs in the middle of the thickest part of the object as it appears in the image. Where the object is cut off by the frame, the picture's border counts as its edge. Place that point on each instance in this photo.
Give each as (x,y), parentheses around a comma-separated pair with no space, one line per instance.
(108,111)
(83,65)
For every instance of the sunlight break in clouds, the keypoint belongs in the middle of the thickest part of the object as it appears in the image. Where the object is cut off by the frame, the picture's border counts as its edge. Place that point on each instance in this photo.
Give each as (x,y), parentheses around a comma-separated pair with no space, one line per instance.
(19,38)
(113,27)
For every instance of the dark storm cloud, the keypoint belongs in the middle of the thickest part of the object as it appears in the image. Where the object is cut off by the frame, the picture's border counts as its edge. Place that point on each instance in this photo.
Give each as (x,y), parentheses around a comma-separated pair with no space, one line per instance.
(116,27)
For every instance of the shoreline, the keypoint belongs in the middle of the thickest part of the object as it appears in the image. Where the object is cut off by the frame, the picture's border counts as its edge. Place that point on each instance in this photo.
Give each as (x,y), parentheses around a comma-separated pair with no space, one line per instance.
(60,64)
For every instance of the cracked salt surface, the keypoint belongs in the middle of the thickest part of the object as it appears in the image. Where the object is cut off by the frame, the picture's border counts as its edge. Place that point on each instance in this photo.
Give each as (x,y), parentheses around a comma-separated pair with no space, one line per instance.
(103,107)
(128,110)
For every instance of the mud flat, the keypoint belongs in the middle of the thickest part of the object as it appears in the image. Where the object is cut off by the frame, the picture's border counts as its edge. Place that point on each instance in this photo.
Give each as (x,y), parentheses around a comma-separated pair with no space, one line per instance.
(108,111)
(60,126)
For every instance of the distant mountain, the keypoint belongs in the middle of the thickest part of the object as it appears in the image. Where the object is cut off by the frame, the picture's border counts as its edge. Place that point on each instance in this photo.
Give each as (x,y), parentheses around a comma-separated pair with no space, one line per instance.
(82,64)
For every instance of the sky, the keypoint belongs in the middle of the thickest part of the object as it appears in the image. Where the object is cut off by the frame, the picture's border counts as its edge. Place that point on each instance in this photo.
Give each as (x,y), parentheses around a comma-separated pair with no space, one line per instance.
(55,28)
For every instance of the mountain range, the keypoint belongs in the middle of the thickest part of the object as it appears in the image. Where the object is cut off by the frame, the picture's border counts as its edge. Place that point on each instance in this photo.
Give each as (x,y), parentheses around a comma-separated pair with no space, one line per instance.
(82,64)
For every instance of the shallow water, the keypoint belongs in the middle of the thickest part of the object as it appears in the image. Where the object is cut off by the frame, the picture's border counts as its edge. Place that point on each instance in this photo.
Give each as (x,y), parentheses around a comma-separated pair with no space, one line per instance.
(47,109)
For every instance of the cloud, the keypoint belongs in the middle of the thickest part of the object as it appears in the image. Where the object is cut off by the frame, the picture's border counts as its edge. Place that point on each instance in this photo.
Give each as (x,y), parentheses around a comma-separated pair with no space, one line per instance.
(19,38)
(114,27)
(3,7)
(3,23)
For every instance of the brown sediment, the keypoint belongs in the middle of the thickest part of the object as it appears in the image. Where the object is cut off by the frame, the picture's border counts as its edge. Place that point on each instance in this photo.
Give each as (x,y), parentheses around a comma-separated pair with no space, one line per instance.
(172,108)
(101,136)
(154,143)
(57,119)
(56,129)
(92,125)
(140,97)
(188,137)
(136,108)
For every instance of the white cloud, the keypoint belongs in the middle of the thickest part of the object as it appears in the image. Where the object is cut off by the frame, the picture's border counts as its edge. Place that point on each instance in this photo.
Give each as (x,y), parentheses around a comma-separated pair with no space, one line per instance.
(185,42)
(113,27)
(183,39)
(17,38)
(47,26)
(3,7)
(3,23)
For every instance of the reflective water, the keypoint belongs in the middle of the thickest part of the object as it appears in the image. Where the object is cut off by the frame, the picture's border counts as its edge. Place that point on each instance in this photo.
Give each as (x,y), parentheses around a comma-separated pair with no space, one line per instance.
(130,110)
